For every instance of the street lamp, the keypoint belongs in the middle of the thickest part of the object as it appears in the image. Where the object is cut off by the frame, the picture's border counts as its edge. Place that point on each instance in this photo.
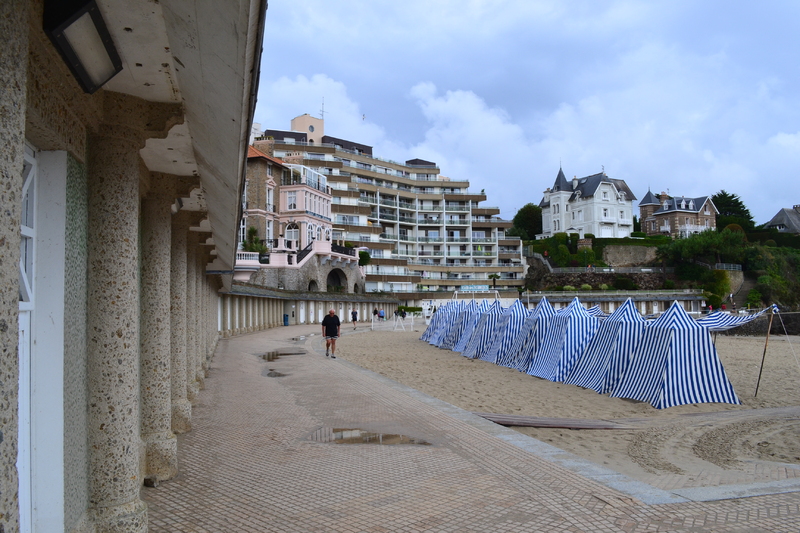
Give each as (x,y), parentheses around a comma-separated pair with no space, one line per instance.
(80,35)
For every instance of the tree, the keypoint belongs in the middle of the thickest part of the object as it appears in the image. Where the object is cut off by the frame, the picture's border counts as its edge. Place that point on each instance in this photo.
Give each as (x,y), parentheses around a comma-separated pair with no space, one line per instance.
(732,211)
(364,258)
(494,278)
(528,220)
(253,243)
(637,225)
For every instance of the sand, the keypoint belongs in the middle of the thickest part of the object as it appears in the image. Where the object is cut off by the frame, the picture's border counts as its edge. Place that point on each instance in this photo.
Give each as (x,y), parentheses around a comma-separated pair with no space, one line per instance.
(692,445)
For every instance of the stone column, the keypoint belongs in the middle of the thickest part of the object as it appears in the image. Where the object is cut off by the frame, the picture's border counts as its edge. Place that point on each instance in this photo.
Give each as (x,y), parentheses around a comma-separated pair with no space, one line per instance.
(113,331)
(156,351)
(192,385)
(181,406)
(199,276)
(14,25)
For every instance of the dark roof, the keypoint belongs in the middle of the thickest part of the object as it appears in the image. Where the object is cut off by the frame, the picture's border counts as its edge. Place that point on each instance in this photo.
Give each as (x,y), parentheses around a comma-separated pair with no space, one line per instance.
(786,220)
(280,135)
(682,203)
(650,199)
(561,183)
(420,163)
(348,145)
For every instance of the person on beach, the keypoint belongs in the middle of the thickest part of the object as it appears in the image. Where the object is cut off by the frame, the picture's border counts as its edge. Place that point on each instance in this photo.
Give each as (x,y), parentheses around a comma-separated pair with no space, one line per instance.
(381,315)
(354,316)
(375,314)
(331,326)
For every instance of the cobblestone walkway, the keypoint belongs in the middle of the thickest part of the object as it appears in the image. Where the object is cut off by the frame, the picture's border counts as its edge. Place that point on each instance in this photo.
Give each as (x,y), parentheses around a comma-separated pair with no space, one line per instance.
(255,462)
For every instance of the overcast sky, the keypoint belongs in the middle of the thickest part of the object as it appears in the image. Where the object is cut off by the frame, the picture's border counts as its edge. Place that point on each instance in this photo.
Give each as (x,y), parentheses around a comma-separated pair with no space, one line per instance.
(685,96)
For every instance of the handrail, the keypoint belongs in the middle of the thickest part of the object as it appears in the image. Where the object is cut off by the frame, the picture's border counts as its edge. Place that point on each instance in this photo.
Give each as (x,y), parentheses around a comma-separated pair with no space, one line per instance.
(304,252)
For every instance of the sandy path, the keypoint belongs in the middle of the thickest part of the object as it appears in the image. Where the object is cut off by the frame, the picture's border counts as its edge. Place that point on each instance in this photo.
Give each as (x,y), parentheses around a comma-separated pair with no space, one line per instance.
(694,450)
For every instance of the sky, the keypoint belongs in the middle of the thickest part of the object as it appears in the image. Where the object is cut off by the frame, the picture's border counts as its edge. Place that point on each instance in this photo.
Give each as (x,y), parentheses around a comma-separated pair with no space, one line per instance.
(679,96)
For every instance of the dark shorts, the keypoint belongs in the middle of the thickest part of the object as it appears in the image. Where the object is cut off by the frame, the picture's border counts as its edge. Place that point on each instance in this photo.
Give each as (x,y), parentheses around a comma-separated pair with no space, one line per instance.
(332,338)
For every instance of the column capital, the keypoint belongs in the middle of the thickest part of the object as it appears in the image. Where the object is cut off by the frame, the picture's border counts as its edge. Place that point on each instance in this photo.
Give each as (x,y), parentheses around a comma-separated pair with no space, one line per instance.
(136,120)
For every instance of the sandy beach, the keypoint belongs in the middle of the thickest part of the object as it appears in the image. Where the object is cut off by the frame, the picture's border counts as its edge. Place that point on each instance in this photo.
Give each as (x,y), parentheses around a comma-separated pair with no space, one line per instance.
(695,444)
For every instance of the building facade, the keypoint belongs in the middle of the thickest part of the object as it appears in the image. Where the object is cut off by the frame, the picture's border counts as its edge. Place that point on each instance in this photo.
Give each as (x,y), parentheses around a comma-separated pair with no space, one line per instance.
(595,204)
(677,216)
(425,232)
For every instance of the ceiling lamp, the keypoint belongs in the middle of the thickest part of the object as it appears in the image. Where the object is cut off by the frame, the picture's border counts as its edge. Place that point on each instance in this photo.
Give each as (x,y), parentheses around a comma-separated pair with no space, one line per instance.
(78,31)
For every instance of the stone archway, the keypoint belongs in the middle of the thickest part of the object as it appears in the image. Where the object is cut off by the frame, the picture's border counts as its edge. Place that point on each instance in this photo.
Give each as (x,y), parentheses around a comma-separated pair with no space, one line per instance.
(312,286)
(336,281)
(355,288)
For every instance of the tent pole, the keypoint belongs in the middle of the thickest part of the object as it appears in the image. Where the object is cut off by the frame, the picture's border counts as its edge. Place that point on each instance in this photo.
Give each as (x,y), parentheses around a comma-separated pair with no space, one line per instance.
(766,343)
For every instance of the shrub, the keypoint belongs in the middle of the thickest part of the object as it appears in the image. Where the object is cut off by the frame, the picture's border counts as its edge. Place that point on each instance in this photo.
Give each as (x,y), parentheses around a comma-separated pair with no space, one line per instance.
(588,236)
(622,283)
(363,258)
(640,234)
(770,243)
(714,300)
(568,288)
(669,284)
(603,287)
(586,287)
(754,298)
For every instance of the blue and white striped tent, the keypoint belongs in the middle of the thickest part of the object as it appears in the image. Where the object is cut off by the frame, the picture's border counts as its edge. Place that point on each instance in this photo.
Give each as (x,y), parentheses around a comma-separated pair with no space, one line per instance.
(569,331)
(526,344)
(610,349)
(596,311)
(457,327)
(675,363)
(470,323)
(449,313)
(722,321)
(435,321)
(506,330)
(479,342)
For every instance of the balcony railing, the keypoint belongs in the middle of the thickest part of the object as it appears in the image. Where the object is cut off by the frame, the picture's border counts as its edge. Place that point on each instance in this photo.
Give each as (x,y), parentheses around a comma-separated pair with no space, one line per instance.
(430,208)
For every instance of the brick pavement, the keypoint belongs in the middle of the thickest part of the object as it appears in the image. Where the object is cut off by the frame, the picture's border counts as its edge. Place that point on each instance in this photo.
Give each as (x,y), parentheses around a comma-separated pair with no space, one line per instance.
(252,463)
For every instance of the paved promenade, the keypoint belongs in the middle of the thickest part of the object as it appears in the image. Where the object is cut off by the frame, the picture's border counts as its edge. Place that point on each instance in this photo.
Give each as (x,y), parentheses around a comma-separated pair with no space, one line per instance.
(263,456)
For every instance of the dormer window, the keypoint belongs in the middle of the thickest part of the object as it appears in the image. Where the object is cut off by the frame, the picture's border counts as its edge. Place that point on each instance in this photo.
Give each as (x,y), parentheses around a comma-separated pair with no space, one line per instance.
(683,204)
(691,204)
(666,204)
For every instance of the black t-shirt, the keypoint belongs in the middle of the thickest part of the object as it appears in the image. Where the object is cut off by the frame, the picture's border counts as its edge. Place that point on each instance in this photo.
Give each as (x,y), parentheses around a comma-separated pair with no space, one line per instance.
(331,325)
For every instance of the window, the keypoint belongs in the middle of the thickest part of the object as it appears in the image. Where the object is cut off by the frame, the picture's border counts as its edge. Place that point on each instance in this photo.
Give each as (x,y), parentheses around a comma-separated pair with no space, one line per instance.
(291,198)
(622,215)
(605,195)
(605,213)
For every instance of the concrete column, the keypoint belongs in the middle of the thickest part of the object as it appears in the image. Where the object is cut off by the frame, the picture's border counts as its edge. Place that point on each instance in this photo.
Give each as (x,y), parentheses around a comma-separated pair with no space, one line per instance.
(181,407)
(14,25)
(199,274)
(192,385)
(156,391)
(113,331)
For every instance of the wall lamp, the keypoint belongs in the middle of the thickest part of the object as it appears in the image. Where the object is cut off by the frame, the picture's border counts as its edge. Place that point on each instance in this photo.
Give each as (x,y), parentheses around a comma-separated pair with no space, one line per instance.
(79,33)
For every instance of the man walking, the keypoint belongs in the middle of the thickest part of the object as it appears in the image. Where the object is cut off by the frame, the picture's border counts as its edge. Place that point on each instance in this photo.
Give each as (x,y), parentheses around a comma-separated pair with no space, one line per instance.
(331,325)
(354,316)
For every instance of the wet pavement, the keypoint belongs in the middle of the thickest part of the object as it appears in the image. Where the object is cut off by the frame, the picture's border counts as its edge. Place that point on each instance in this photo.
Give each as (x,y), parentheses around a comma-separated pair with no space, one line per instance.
(267,452)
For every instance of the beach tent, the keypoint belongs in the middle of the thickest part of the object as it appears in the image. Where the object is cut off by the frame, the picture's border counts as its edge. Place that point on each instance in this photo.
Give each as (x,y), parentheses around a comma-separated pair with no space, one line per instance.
(468,327)
(568,333)
(596,311)
(436,319)
(526,344)
(608,352)
(722,321)
(505,331)
(484,329)
(675,363)
(449,313)
(457,327)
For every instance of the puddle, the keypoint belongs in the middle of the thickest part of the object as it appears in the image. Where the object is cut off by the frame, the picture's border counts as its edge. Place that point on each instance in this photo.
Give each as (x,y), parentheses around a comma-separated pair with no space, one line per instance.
(359,436)
(272,373)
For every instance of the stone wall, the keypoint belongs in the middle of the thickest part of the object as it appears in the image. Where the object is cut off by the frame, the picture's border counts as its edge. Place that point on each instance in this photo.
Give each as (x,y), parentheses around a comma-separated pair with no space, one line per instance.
(626,256)
(298,279)
(758,327)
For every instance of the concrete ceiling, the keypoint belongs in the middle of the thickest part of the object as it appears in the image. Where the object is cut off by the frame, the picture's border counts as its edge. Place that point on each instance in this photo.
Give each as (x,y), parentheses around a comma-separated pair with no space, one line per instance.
(204,54)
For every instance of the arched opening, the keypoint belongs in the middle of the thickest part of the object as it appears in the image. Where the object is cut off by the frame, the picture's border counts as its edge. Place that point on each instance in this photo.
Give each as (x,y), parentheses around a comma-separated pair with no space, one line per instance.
(337,281)
(355,288)
(292,236)
(312,286)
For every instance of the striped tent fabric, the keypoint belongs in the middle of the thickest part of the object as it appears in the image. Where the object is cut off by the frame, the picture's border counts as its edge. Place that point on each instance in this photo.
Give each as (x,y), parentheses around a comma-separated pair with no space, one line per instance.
(722,321)
(449,313)
(457,327)
(506,331)
(596,311)
(675,363)
(470,323)
(431,327)
(484,329)
(527,342)
(608,352)
(569,331)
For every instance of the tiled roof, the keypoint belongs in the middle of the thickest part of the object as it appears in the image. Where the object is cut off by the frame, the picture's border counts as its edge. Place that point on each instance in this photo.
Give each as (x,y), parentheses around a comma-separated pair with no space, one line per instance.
(650,199)
(788,218)
(683,203)
(253,152)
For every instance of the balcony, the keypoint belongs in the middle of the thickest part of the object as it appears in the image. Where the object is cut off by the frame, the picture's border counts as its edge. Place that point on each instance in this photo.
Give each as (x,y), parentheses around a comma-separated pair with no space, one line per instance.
(430,239)
(456,207)
(458,239)
(429,221)
(388,201)
(457,221)
(430,208)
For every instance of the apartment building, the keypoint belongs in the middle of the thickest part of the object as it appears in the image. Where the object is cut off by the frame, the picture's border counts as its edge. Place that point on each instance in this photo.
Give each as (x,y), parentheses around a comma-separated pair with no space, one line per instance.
(426,233)
(677,216)
(595,204)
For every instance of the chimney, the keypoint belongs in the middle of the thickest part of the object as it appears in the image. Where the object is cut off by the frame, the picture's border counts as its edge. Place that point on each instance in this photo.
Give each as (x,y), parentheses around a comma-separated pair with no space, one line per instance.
(796,208)
(574,182)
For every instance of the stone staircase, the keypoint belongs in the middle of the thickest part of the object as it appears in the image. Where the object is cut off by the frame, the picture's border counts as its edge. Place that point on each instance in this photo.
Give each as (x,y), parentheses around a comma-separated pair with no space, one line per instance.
(740,296)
